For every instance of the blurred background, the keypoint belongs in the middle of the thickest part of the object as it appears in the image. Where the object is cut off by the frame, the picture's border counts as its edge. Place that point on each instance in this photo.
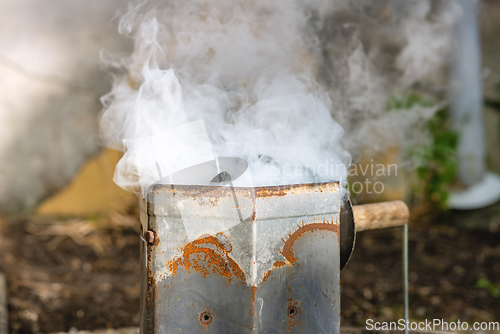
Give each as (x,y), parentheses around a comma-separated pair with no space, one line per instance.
(69,237)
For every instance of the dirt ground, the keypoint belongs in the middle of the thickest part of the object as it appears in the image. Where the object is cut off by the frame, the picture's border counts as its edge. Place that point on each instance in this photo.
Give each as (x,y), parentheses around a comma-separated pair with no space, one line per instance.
(84,273)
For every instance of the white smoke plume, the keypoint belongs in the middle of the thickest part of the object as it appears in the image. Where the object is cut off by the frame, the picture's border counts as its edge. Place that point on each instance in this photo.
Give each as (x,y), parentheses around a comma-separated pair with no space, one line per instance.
(268,79)
(244,68)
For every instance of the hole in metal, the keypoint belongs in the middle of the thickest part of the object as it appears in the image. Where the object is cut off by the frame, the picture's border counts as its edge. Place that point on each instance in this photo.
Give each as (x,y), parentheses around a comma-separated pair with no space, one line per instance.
(206,318)
(292,311)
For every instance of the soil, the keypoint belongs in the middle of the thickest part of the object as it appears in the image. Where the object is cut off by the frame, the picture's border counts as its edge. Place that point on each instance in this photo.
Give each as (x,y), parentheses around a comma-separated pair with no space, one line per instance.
(84,273)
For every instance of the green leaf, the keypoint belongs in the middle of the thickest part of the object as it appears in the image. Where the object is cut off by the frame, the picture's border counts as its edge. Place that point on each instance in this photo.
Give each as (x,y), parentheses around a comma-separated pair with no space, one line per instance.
(483,283)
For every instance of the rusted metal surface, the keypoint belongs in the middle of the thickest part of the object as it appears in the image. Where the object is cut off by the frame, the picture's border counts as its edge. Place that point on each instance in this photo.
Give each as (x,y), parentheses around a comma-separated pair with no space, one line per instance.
(150,237)
(288,251)
(241,260)
(206,318)
(213,254)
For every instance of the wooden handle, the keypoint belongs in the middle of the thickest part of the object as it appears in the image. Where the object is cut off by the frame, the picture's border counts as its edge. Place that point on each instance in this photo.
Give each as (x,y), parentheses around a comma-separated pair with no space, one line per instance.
(380,215)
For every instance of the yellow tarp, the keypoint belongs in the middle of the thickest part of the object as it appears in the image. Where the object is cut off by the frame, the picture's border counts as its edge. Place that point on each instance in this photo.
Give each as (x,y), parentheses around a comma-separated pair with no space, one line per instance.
(92,191)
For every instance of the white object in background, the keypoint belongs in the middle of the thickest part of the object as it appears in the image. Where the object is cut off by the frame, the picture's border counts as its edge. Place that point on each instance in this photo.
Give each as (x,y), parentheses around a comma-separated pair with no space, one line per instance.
(466,113)
(482,194)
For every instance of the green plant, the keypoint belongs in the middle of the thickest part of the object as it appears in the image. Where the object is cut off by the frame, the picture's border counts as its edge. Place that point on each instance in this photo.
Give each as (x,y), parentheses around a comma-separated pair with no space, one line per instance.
(407,101)
(492,288)
(436,160)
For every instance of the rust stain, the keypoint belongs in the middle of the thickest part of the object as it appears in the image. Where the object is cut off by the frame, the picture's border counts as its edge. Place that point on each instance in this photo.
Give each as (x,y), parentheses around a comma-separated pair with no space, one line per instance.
(155,294)
(288,248)
(293,311)
(206,318)
(150,278)
(277,264)
(213,193)
(224,241)
(252,306)
(266,276)
(254,290)
(159,188)
(284,190)
(156,240)
(206,200)
(204,195)
(271,191)
(152,288)
(149,236)
(208,255)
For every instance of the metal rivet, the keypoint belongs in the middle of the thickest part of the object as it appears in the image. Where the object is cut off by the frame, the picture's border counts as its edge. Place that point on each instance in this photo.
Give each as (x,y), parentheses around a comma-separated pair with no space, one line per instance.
(150,237)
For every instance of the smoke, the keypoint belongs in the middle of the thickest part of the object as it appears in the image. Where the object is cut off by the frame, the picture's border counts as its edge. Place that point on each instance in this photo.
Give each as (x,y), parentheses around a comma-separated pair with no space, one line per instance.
(244,68)
(273,82)
(374,51)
